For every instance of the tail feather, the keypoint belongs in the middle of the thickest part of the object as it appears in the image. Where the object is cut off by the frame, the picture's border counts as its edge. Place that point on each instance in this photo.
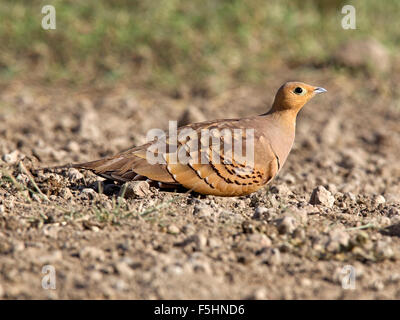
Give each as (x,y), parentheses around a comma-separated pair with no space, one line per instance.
(84,165)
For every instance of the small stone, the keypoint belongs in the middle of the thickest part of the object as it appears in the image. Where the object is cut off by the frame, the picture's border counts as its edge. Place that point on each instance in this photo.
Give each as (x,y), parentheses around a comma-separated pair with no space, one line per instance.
(260,239)
(263,213)
(18,246)
(273,256)
(50,231)
(306,282)
(332,188)
(124,269)
(384,221)
(2,209)
(393,212)
(383,250)
(189,229)
(173,229)
(350,196)
(377,285)
(395,220)
(135,189)
(65,193)
(394,278)
(321,196)
(73,146)
(95,276)
(74,174)
(288,178)
(337,238)
(89,193)
(10,158)
(51,257)
(301,215)
(379,199)
(202,211)
(200,240)
(286,224)
(258,294)
(201,266)
(282,190)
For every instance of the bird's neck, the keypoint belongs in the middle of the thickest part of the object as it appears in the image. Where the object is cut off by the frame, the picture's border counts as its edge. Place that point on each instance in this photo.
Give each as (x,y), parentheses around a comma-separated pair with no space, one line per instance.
(279,129)
(285,118)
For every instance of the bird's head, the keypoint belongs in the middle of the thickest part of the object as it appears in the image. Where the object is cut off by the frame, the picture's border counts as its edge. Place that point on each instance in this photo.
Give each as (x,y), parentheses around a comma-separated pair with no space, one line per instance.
(294,95)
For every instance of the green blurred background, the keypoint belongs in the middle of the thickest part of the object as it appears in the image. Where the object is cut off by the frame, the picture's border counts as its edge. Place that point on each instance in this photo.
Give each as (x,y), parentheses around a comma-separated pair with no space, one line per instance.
(173,45)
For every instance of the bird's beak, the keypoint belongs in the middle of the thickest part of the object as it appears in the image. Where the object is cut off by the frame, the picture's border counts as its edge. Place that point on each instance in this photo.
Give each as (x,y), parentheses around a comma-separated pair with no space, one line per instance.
(319,90)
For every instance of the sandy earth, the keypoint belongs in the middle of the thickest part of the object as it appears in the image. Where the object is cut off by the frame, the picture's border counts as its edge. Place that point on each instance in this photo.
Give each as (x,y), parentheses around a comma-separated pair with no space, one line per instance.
(277,243)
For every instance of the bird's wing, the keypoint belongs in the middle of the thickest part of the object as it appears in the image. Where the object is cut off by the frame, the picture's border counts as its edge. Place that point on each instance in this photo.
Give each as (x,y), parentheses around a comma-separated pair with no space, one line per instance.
(216,166)
(209,158)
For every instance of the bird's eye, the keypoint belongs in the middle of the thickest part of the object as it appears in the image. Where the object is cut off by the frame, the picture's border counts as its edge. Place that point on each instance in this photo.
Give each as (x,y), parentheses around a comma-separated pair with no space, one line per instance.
(298,90)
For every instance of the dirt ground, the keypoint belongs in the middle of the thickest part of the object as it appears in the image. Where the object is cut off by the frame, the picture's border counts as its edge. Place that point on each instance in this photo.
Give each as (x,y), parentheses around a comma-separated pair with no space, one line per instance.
(274,244)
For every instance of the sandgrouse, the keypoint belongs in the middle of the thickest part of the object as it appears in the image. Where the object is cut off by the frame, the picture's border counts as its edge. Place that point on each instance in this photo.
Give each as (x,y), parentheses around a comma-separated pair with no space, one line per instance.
(208,158)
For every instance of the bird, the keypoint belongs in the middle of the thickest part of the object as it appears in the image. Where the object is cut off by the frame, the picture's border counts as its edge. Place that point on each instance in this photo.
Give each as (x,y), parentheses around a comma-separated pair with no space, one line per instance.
(207,157)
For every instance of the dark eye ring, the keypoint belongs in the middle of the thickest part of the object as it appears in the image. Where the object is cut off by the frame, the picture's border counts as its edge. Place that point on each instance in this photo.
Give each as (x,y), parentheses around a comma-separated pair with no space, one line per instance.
(298,90)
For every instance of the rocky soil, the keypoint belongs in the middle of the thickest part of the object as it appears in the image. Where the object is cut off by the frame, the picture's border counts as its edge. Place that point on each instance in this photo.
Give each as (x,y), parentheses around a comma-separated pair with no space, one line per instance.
(336,202)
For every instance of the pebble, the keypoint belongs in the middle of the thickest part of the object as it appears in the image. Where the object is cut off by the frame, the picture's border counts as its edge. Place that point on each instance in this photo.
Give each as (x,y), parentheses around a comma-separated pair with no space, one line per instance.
(377,285)
(384,221)
(393,212)
(321,196)
(379,199)
(301,215)
(65,193)
(89,193)
(286,224)
(18,246)
(281,190)
(202,211)
(288,178)
(52,257)
(261,239)
(383,250)
(393,219)
(10,158)
(350,196)
(135,189)
(337,238)
(173,229)
(258,294)
(189,229)
(201,266)
(200,240)
(74,174)
(273,256)
(263,213)
(2,209)
(124,269)
(332,188)
(73,146)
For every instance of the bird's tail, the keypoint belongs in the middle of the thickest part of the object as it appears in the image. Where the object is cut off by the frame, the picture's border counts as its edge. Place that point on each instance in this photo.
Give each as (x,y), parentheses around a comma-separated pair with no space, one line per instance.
(85,165)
